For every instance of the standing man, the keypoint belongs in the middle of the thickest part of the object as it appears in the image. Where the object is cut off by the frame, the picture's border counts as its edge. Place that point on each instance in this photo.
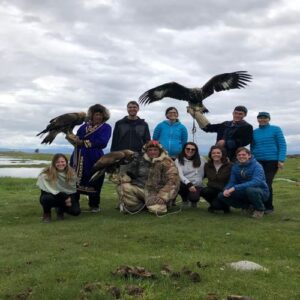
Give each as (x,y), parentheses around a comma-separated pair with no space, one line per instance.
(230,134)
(131,132)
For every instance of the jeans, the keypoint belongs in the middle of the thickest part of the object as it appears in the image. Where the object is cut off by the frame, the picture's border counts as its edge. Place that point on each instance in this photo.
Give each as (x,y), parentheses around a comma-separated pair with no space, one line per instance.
(251,196)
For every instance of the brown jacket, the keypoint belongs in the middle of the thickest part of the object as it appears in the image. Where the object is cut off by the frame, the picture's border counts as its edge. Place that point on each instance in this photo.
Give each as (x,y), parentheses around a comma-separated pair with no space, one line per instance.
(217,180)
(158,177)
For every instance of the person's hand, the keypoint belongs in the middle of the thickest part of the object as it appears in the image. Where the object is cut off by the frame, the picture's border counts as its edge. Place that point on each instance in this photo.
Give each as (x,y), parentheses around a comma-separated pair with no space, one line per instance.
(74,139)
(228,192)
(68,202)
(192,189)
(280,165)
(220,143)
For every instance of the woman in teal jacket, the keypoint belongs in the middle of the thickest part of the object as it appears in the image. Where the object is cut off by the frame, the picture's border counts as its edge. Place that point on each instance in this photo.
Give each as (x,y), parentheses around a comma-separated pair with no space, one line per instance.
(171,134)
(269,148)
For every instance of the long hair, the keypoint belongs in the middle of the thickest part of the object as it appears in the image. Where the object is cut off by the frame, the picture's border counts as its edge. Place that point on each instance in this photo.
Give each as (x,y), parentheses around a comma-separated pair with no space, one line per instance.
(224,158)
(195,158)
(98,108)
(51,171)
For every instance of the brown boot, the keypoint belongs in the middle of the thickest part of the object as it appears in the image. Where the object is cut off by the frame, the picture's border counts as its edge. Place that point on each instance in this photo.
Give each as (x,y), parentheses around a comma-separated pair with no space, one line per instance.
(46,217)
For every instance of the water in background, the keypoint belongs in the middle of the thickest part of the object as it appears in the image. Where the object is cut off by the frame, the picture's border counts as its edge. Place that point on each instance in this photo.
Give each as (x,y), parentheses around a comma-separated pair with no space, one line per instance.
(20,172)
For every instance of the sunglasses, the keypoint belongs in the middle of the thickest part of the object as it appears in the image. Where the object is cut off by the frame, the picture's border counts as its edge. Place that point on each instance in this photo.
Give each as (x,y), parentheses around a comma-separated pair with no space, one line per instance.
(190,149)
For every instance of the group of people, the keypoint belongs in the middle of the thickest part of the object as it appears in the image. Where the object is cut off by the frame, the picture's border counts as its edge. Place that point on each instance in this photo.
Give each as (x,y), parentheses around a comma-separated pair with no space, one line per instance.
(168,165)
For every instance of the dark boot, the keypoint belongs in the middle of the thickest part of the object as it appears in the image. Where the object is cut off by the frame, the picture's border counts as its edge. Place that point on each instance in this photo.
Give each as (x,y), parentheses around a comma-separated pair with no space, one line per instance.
(59,213)
(46,217)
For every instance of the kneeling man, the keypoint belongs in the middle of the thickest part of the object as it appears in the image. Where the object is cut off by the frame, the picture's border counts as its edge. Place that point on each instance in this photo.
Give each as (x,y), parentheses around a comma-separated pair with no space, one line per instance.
(152,181)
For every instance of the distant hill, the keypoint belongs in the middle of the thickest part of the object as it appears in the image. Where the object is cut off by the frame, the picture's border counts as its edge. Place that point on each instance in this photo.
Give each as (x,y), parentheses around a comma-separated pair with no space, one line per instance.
(64,150)
(51,150)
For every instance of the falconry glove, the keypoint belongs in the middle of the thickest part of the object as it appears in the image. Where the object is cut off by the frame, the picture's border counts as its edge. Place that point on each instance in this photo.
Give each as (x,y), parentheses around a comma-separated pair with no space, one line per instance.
(72,138)
(196,112)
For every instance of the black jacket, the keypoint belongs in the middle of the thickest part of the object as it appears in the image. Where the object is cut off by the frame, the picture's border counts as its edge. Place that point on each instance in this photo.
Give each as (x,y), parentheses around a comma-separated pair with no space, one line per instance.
(236,135)
(130,134)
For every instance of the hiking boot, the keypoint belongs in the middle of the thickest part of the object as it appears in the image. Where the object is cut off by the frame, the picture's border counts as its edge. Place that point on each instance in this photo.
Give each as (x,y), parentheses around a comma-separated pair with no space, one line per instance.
(211,210)
(95,209)
(185,203)
(60,215)
(194,204)
(247,211)
(258,214)
(46,218)
(226,210)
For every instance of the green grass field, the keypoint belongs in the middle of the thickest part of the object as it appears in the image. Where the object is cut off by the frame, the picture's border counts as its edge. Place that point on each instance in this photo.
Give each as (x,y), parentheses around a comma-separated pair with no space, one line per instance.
(76,258)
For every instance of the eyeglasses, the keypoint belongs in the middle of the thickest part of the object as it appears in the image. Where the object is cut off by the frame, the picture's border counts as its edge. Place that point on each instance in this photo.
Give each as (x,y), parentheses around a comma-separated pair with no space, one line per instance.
(190,149)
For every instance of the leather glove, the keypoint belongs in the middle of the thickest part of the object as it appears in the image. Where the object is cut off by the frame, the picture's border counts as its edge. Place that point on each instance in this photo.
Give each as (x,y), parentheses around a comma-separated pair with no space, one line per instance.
(197,113)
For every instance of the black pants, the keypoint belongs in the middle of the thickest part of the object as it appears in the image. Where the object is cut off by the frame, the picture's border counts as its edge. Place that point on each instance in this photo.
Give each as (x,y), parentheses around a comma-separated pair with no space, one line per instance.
(94,197)
(270,168)
(187,195)
(48,201)
(211,196)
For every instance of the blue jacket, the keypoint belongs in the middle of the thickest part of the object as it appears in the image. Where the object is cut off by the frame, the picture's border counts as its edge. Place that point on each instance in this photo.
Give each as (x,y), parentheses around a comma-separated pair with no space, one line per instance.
(268,143)
(250,174)
(172,136)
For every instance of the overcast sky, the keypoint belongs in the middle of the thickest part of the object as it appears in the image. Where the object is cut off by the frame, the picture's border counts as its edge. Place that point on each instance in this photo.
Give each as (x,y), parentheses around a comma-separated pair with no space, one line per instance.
(63,56)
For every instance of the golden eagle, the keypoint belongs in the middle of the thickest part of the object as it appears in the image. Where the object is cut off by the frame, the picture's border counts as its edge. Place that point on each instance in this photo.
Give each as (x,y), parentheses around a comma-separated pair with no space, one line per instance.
(63,123)
(195,96)
(111,162)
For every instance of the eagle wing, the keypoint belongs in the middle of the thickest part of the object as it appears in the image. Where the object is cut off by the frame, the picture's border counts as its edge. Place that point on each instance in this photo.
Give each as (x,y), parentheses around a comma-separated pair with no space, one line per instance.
(170,89)
(226,81)
(63,123)
(110,161)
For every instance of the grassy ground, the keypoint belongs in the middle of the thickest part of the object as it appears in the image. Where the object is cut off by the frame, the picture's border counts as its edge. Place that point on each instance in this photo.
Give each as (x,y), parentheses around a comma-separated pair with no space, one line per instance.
(75,258)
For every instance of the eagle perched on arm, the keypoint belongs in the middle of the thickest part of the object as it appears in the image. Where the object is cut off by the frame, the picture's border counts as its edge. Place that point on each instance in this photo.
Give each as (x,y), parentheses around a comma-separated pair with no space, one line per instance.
(195,96)
(111,162)
(64,123)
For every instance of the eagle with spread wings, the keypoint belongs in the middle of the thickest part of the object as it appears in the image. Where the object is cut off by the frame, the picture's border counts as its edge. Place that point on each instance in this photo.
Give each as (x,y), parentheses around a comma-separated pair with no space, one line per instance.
(195,96)
(62,124)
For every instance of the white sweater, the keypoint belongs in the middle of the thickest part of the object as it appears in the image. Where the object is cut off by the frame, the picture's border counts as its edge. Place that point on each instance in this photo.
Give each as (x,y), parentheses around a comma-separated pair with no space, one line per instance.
(189,174)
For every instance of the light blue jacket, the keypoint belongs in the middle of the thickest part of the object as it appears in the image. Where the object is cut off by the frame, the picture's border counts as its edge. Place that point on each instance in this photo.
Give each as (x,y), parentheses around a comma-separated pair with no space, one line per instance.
(268,143)
(172,136)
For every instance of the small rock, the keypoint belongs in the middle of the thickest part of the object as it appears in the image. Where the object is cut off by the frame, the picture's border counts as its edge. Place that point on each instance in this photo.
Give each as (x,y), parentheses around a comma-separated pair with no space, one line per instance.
(237,297)
(115,291)
(186,271)
(195,277)
(134,290)
(175,275)
(201,266)
(245,265)
(212,296)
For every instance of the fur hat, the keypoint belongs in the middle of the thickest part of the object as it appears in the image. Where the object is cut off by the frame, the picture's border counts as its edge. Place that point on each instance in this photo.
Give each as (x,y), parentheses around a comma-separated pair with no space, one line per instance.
(98,108)
(153,144)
